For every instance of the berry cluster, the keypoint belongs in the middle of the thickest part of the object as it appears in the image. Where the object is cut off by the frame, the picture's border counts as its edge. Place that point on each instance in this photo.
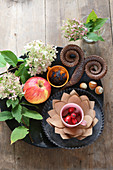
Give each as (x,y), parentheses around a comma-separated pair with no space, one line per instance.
(72,116)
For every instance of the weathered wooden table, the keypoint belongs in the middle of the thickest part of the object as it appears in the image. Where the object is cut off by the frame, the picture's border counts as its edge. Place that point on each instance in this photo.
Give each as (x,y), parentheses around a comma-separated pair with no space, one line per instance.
(22,21)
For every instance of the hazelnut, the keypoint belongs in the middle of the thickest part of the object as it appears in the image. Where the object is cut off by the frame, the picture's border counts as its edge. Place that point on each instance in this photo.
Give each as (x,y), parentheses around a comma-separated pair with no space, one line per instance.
(99,90)
(92,85)
(83,86)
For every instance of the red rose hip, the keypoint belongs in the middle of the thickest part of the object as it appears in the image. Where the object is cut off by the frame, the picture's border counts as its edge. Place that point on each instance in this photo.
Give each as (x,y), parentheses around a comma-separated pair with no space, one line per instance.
(73,115)
(77,111)
(74,121)
(68,119)
(71,109)
(78,118)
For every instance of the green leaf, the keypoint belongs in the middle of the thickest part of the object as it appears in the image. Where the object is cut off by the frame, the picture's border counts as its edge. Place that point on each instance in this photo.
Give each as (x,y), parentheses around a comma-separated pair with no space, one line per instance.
(99,23)
(89,25)
(20,59)
(1,78)
(12,102)
(32,114)
(20,70)
(23,73)
(25,120)
(25,76)
(93,36)
(2,61)
(10,57)
(92,17)
(71,39)
(28,104)
(18,133)
(5,115)
(16,112)
(24,109)
(100,38)
(9,103)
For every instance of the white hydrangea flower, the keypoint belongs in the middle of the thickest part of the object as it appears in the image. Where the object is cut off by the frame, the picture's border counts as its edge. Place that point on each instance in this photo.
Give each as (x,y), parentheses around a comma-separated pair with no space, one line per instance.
(10,86)
(40,56)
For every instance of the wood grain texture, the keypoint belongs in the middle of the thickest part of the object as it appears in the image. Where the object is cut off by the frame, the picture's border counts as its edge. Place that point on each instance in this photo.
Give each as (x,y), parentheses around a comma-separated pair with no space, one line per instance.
(21,21)
(24,20)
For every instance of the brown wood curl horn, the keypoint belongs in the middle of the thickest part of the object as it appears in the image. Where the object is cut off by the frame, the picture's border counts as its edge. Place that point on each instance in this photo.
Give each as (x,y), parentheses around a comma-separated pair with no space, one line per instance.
(78,60)
(94,65)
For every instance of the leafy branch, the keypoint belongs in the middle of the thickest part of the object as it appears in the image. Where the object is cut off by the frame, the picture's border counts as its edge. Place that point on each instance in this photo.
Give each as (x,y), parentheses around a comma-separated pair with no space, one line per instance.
(93,24)
(18,110)
(10,58)
(22,115)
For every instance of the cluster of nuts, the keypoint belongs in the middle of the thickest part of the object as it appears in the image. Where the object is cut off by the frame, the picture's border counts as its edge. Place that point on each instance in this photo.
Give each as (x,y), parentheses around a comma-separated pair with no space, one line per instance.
(92,86)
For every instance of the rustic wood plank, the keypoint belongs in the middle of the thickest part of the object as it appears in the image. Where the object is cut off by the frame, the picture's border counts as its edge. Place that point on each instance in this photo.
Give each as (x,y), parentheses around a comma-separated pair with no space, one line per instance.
(30,27)
(21,21)
(111,16)
(56,12)
(7,158)
(26,21)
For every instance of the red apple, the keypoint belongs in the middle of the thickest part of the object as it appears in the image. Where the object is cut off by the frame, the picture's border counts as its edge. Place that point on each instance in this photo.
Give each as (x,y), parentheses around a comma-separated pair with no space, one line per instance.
(37,90)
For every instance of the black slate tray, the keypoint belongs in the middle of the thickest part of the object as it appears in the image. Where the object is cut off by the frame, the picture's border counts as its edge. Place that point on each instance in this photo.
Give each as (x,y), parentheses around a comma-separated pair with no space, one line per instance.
(37,136)
(73,143)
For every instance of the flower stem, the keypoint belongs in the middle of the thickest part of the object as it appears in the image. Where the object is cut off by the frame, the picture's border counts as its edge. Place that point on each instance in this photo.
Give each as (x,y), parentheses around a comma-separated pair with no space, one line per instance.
(8,70)
(29,132)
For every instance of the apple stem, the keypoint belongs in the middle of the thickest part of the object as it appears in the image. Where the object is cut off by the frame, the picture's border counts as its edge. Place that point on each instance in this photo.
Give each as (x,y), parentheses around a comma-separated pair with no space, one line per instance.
(40,84)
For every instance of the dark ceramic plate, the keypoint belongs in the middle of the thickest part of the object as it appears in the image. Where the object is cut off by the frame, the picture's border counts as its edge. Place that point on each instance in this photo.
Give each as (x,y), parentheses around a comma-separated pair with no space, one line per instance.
(73,143)
(37,135)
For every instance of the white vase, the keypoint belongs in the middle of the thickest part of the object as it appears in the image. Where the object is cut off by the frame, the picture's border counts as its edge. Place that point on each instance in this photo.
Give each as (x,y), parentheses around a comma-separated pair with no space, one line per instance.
(99,32)
(88,40)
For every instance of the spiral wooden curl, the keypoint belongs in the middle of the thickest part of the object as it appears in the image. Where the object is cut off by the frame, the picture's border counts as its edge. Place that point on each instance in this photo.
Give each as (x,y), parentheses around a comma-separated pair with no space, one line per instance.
(94,65)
